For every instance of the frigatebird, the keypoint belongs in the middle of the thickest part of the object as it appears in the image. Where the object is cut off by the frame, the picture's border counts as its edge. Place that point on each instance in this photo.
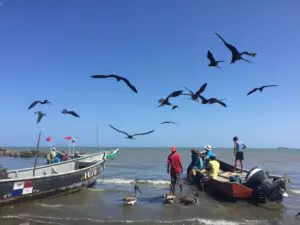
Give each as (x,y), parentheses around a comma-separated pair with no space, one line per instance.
(165,101)
(213,62)
(36,102)
(260,89)
(118,78)
(129,136)
(195,96)
(40,115)
(174,107)
(212,101)
(64,111)
(236,55)
(168,122)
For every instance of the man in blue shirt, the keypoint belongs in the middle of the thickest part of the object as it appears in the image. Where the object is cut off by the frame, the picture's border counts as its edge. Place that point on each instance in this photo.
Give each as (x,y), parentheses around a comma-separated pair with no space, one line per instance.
(238,152)
(207,154)
(195,165)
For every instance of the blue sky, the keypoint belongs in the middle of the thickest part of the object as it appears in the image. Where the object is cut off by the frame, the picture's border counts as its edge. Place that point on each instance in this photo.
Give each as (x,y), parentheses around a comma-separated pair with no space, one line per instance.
(50,48)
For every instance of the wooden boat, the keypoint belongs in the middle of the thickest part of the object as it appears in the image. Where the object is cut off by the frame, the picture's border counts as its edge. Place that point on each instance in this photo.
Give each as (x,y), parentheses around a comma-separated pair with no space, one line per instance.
(66,176)
(111,154)
(258,191)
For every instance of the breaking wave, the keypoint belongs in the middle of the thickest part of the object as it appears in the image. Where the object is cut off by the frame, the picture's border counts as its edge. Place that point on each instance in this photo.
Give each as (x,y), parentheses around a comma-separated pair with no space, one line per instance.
(296,191)
(192,221)
(49,205)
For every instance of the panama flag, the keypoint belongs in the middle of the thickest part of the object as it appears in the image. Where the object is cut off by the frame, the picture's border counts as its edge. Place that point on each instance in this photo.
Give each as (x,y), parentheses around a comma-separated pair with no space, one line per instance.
(68,138)
(49,138)
(22,188)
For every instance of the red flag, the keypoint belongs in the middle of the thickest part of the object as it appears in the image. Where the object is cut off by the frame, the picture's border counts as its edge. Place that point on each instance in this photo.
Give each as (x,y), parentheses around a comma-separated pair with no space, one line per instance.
(49,138)
(68,138)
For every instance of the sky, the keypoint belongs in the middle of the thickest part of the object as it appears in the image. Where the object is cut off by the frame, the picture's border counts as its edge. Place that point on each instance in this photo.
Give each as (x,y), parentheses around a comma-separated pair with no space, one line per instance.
(49,49)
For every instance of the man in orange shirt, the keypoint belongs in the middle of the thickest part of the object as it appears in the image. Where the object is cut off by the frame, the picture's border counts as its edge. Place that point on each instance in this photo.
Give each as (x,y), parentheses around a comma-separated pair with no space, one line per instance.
(175,169)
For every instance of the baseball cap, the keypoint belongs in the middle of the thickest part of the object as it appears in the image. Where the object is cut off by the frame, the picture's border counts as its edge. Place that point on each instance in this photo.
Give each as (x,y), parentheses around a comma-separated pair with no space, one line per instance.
(173,148)
(207,147)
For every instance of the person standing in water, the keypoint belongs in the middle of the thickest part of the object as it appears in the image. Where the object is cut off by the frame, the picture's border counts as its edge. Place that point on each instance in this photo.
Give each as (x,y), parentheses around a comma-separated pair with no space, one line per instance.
(238,148)
(175,169)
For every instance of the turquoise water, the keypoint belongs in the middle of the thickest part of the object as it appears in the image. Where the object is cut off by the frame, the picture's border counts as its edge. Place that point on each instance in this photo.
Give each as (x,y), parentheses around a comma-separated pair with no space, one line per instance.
(102,204)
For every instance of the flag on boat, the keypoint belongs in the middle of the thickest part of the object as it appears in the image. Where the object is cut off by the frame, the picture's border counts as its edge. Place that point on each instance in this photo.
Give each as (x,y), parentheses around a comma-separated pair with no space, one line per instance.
(49,138)
(68,138)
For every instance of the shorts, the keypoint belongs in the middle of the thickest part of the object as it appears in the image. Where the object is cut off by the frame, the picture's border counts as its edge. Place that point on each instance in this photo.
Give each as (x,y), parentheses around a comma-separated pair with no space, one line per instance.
(239,155)
(175,178)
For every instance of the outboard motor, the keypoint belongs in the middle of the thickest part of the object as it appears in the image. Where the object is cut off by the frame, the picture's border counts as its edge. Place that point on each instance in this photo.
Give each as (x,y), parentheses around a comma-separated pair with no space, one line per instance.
(257,179)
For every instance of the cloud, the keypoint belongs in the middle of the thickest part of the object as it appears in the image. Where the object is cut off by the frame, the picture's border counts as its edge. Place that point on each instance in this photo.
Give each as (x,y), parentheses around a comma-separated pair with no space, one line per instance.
(1,4)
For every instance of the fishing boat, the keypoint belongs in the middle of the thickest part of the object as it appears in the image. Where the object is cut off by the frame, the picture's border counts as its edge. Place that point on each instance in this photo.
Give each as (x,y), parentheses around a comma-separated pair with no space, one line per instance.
(63,177)
(255,185)
(112,154)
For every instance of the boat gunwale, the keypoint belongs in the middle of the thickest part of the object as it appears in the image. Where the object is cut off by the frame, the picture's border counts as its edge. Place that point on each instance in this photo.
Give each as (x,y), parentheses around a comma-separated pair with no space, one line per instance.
(113,151)
(58,163)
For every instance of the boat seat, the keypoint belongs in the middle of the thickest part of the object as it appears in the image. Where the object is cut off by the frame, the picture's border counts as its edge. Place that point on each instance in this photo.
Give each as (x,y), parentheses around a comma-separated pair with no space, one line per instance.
(224,175)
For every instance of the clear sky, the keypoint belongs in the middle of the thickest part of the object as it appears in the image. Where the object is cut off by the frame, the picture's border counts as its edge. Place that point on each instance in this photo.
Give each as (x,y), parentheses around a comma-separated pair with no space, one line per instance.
(50,48)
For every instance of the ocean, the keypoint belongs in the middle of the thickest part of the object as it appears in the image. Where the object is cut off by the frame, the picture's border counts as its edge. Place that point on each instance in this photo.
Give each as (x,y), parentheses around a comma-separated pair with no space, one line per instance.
(102,203)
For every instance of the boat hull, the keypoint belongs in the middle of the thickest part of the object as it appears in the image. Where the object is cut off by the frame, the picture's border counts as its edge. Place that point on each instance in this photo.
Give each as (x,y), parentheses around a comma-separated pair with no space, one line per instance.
(21,189)
(228,190)
(222,186)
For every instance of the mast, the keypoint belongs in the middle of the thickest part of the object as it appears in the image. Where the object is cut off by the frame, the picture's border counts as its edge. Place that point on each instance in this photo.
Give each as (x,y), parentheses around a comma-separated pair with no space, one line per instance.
(36,153)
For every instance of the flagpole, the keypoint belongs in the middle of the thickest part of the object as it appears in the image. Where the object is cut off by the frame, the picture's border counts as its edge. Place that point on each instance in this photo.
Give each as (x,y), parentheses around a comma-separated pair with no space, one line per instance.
(69,149)
(36,153)
(73,143)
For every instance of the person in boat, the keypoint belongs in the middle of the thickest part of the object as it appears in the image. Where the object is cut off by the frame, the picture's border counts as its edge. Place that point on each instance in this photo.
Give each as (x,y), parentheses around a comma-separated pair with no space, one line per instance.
(51,155)
(65,156)
(60,156)
(206,155)
(213,167)
(197,165)
(238,148)
(211,172)
(193,158)
(175,169)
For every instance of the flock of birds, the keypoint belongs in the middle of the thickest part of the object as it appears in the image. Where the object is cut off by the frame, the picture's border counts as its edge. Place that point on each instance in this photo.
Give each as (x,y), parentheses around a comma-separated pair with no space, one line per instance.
(168,198)
(40,114)
(196,96)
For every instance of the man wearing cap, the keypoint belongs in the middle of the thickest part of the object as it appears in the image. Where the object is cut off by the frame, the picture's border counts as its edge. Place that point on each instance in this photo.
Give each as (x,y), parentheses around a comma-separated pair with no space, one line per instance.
(175,169)
(207,154)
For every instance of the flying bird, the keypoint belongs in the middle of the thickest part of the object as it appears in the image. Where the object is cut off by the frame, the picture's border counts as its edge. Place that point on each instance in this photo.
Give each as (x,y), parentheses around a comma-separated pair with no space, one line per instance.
(298,214)
(165,101)
(168,122)
(260,89)
(212,101)
(195,96)
(174,107)
(64,111)
(118,78)
(40,116)
(236,55)
(129,136)
(36,102)
(213,62)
